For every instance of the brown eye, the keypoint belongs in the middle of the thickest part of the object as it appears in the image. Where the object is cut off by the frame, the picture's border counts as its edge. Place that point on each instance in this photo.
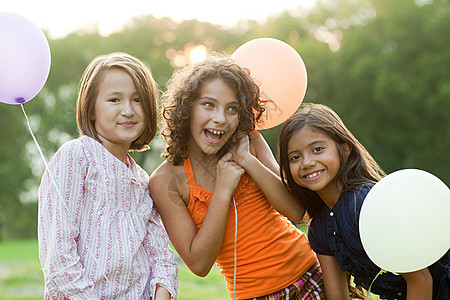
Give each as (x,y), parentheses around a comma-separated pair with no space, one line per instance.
(317,149)
(294,157)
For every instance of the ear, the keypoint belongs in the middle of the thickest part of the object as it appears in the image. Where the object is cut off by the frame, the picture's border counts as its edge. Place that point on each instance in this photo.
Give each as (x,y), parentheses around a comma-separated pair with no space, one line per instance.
(346,149)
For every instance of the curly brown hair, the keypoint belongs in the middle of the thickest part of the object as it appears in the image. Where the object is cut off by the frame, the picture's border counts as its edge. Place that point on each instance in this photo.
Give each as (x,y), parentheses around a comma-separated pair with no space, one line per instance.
(183,90)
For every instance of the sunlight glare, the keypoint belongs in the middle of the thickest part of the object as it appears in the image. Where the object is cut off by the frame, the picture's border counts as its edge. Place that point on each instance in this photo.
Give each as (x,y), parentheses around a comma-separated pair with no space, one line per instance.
(198,54)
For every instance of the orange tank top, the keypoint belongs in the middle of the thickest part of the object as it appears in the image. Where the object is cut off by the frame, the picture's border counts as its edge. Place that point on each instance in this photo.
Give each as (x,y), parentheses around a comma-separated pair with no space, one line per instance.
(271,252)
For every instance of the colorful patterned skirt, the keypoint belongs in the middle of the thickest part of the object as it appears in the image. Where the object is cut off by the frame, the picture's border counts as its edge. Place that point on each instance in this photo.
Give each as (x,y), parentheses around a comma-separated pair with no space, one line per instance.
(308,287)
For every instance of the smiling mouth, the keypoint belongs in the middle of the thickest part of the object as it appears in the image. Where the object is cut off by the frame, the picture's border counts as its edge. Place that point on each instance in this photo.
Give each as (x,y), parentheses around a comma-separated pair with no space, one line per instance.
(213,136)
(128,124)
(313,175)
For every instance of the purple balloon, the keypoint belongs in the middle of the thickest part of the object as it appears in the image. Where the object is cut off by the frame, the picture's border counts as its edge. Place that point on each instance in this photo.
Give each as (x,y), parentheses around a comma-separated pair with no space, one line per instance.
(24,59)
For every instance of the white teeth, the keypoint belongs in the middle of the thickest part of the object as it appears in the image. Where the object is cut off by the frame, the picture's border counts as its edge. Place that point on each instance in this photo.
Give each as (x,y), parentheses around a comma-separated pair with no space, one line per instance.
(313,175)
(215,131)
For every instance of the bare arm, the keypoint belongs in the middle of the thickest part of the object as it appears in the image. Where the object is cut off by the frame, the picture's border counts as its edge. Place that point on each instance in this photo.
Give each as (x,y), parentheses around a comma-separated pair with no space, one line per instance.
(258,161)
(419,285)
(162,293)
(199,249)
(335,280)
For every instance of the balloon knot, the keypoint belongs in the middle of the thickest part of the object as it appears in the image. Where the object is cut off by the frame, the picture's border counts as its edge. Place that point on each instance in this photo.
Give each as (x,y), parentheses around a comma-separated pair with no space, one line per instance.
(20,100)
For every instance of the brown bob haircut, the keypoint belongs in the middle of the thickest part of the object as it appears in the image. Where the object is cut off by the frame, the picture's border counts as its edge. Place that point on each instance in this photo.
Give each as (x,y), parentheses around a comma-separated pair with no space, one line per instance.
(145,85)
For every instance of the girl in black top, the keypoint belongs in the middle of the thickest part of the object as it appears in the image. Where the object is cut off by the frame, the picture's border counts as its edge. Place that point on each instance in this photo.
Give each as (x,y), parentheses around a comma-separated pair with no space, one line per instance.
(331,173)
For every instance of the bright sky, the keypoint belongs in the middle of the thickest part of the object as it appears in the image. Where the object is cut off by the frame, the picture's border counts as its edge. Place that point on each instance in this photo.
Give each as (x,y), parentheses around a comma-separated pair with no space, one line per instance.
(62,16)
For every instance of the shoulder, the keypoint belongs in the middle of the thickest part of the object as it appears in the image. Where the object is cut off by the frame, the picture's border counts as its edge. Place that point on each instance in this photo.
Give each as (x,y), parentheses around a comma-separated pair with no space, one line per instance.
(163,172)
(167,177)
(71,145)
(70,158)
(72,149)
(351,201)
(255,136)
(82,144)
(257,142)
(259,148)
(137,169)
(362,191)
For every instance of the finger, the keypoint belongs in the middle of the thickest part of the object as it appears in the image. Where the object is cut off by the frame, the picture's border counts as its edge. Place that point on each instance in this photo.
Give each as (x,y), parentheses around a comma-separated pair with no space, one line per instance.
(232,164)
(237,168)
(227,157)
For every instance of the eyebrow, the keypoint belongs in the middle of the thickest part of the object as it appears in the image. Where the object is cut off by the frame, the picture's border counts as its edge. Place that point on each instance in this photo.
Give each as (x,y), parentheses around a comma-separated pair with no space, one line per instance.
(207,97)
(117,93)
(234,102)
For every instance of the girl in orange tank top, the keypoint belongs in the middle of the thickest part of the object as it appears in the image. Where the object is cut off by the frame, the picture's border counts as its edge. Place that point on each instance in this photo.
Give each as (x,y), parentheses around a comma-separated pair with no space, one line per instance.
(219,192)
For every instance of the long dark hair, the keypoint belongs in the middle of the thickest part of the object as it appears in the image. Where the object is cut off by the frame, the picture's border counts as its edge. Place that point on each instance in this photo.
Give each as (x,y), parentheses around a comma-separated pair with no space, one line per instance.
(357,167)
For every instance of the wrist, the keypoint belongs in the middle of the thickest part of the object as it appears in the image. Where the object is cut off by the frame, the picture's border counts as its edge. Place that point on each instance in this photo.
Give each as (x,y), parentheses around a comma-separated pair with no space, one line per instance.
(222,194)
(249,163)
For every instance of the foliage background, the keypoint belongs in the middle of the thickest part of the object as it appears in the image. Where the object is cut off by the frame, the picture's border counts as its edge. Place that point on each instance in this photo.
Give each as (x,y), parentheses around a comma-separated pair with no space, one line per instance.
(382,65)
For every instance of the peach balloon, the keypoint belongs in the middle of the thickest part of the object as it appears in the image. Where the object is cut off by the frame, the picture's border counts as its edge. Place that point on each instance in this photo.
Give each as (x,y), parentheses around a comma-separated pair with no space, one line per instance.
(280,73)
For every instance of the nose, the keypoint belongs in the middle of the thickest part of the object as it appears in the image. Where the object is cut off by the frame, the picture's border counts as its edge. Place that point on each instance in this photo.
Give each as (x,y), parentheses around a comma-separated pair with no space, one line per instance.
(308,161)
(219,116)
(127,108)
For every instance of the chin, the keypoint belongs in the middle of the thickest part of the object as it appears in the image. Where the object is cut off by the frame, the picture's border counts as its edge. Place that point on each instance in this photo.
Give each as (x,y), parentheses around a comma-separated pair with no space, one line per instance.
(211,150)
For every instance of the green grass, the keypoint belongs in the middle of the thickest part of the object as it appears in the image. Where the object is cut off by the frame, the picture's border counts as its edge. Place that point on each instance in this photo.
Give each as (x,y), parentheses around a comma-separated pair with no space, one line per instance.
(20,271)
(19,250)
(21,276)
(193,287)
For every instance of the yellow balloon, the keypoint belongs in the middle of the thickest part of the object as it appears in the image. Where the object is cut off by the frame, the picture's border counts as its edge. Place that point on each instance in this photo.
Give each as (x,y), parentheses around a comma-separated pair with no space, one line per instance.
(404,224)
(280,73)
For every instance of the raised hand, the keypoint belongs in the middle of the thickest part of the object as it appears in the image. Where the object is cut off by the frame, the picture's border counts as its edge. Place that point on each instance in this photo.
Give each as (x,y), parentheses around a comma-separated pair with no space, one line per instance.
(241,152)
(228,174)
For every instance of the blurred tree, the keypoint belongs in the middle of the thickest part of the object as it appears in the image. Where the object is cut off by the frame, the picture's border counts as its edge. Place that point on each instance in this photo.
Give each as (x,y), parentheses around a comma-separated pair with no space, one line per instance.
(15,175)
(391,82)
(381,65)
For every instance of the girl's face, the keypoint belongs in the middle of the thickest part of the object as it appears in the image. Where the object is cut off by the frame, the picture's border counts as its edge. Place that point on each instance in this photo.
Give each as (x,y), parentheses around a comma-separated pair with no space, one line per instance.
(118,114)
(214,117)
(314,162)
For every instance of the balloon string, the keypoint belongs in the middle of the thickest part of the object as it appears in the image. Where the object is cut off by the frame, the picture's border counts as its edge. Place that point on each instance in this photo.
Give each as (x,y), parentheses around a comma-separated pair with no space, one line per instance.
(50,174)
(370,287)
(42,155)
(235,243)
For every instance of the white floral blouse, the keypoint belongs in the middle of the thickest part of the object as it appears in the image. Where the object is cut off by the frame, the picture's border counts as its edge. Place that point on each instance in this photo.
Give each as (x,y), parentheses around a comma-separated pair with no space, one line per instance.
(100,236)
